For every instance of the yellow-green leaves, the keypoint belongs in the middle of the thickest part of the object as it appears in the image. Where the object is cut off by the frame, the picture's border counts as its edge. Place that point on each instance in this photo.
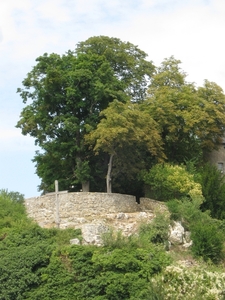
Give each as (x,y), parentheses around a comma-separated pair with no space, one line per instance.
(126,124)
(191,119)
(168,181)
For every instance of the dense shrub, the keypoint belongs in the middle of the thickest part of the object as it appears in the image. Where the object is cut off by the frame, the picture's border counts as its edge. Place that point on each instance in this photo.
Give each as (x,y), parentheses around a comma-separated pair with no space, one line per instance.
(207,241)
(12,211)
(207,234)
(14,196)
(187,210)
(166,181)
(157,231)
(88,272)
(213,189)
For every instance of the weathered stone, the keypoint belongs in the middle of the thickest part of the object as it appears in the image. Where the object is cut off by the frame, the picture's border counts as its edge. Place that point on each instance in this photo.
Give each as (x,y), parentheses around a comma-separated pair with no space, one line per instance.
(176,235)
(142,215)
(187,236)
(92,233)
(122,216)
(187,245)
(75,241)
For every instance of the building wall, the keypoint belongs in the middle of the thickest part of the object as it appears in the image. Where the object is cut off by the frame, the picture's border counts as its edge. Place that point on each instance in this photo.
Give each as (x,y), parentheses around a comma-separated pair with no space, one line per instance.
(71,208)
(217,158)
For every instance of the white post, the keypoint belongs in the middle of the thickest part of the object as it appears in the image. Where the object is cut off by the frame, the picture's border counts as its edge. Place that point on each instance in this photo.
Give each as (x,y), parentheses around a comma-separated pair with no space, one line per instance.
(57,203)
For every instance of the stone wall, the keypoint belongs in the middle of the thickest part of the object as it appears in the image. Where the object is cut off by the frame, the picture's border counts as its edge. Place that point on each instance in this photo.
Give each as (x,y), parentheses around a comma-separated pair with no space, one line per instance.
(96,213)
(72,207)
(152,205)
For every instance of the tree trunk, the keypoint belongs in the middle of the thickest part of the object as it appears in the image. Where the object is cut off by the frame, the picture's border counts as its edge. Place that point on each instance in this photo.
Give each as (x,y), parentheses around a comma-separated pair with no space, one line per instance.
(108,176)
(86,186)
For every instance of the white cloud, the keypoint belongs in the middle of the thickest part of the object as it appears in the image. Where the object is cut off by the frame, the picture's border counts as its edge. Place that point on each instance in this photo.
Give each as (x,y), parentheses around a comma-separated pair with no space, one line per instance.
(53,11)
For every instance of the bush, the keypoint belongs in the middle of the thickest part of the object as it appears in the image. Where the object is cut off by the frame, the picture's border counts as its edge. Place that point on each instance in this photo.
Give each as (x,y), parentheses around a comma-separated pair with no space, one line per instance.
(187,210)
(157,231)
(15,196)
(207,241)
(213,189)
(113,240)
(167,182)
(12,212)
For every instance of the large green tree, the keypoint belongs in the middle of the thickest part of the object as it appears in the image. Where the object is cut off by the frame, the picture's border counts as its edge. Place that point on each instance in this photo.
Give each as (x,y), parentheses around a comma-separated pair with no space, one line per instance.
(65,93)
(192,120)
(127,61)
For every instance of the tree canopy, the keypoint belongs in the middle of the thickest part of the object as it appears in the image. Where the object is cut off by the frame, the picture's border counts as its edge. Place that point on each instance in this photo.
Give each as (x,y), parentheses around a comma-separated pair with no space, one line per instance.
(191,119)
(125,125)
(65,93)
(106,98)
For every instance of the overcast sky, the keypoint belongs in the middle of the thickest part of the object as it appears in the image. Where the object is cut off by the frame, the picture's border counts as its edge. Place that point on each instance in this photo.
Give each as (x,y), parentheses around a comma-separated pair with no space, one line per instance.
(191,30)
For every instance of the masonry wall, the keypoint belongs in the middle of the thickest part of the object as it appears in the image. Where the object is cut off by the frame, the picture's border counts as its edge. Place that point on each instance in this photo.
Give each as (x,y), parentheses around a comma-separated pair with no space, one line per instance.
(72,207)
(217,158)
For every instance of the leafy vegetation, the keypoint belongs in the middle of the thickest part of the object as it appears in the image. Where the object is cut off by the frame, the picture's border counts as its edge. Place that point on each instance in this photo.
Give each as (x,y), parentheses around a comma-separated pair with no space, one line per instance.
(213,189)
(105,111)
(67,94)
(105,106)
(38,263)
(166,181)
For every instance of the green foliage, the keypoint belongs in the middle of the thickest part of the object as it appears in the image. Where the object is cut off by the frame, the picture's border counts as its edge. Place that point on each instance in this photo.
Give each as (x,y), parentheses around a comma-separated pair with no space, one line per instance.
(174,104)
(114,240)
(168,181)
(82,171)
(25,255)
(208,241)
(67,94)
(213,189)
(188,211)
(12,210)
(156,231)
(15,196)
(125,128)
(207,234)
(127,61)
(19,269)
(39,263)
(86,272)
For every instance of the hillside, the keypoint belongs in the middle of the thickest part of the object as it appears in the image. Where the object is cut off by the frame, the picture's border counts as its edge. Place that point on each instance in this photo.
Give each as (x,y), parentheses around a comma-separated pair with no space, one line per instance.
(40,263)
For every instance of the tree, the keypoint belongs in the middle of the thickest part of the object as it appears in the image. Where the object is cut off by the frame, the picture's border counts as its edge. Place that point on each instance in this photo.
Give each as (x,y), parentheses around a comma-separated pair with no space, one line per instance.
(191,119)
(127,61)
(125,125)
(65,93)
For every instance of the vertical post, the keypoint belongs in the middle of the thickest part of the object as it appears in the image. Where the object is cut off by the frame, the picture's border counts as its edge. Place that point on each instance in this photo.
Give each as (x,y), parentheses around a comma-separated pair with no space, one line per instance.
(108,176)
(57,202)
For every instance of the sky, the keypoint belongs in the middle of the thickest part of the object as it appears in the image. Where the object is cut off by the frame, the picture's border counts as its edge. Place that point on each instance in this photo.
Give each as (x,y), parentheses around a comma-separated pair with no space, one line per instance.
(190,30)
